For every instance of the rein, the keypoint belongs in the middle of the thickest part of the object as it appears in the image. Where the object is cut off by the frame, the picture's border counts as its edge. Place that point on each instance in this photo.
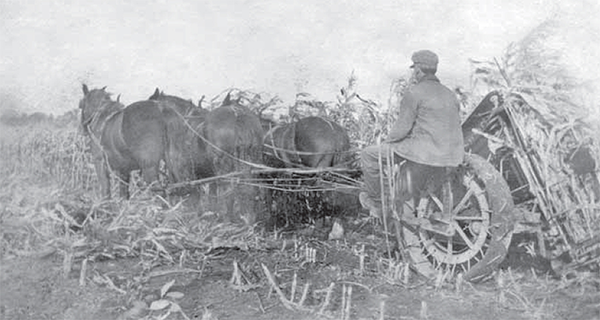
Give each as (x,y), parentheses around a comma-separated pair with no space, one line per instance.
(252,164)
(261,168)
(255,165)
(307,152)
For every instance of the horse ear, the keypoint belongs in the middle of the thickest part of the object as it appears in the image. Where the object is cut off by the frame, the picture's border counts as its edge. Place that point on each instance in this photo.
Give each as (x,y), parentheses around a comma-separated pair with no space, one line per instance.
(104,88)
(227,100)
(155,95)
(85,89)
(119,98)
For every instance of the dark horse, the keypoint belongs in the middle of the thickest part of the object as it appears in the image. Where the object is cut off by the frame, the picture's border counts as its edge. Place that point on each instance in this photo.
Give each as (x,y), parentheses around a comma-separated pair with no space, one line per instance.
(123,139)
(312,142)
(234,136)
(187,157)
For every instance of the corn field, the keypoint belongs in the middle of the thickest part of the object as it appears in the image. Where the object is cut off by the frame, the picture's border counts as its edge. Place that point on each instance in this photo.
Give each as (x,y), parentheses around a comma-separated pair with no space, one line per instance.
(48,155)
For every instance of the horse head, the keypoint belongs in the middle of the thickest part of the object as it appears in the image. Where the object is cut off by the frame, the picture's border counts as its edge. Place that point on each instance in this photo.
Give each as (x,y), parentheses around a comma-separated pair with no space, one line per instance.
(94,103)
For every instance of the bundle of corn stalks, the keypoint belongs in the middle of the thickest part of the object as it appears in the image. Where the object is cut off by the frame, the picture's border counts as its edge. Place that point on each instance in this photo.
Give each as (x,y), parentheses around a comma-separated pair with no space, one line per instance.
(554,139)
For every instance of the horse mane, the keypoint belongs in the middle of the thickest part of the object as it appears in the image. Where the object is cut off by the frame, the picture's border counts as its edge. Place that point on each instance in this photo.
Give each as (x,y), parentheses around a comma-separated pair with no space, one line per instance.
(160,95)
(189,110)
(104,106)
(109,105)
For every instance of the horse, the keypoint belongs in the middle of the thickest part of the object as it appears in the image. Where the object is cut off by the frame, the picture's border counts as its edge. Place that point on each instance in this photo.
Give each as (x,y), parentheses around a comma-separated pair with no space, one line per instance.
(187,157)
(234,136)
(123,139)
(312,142)
(185,108)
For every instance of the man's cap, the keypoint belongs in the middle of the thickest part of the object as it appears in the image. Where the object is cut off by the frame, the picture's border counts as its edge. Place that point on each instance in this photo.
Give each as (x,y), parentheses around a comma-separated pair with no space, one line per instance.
(425,59)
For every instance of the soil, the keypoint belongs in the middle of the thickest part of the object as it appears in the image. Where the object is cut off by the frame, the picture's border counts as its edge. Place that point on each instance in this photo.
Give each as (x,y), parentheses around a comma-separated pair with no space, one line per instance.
(35,288)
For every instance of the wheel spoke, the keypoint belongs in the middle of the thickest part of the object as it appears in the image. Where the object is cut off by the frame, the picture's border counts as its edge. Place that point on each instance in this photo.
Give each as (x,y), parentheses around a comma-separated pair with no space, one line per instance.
(426,245)
(449,250)
(428,242)
(410,206)
(437,201)
(461,218)
(429,254)
(463,236)
(462,202)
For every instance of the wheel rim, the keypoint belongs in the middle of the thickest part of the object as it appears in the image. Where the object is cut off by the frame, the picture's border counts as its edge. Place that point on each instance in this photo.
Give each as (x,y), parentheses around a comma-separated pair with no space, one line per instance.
(470,223)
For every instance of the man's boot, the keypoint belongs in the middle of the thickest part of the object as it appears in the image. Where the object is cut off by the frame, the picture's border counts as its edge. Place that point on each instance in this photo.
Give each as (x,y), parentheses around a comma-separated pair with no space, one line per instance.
(370,204)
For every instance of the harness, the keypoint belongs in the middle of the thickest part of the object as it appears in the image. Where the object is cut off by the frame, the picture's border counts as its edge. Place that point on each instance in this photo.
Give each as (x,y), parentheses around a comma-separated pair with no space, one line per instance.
(279,153)
(209,143)
(96,124)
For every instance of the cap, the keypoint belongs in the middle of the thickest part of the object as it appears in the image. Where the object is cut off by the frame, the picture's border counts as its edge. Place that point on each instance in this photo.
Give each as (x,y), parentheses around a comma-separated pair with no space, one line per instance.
(425,59)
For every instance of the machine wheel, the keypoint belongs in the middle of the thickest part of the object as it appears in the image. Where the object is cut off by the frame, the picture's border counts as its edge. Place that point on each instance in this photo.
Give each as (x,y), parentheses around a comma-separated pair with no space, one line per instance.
(480,225)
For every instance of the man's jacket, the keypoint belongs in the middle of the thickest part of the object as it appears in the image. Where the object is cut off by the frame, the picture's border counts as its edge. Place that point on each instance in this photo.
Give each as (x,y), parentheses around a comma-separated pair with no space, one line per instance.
(428,128)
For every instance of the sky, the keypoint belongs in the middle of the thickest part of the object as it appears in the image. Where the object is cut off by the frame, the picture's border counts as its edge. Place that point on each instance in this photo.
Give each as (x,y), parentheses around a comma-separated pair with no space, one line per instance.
(195,48)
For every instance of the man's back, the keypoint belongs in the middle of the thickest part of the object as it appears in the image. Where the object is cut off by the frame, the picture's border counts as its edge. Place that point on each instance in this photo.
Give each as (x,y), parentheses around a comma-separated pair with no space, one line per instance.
(436,136)
(427,131)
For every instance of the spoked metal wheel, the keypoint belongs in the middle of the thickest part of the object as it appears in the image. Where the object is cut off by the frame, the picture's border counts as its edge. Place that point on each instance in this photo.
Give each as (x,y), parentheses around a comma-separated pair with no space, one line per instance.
(470,238)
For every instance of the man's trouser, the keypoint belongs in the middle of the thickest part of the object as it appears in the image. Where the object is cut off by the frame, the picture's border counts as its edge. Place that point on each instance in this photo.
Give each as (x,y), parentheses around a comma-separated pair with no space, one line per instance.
(370,167)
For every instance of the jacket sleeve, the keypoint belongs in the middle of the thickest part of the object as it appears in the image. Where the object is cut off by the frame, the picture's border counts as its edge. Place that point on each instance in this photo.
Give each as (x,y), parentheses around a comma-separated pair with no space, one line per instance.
(406,118)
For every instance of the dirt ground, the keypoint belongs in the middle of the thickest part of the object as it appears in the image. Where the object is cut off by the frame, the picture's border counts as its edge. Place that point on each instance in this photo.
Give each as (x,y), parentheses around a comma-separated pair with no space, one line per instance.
(35,288)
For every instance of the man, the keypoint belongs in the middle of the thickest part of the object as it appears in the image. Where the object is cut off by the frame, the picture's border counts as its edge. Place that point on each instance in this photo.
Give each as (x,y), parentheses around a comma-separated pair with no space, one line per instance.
(428,130)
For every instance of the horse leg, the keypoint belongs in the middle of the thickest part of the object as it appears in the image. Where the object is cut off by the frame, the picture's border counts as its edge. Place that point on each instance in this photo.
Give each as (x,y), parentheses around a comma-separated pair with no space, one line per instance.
(150,175)
(325,161)
(212,195)
(595,186)
(230,200)
(248,206)
(269,200)
(124,178)
(103,178)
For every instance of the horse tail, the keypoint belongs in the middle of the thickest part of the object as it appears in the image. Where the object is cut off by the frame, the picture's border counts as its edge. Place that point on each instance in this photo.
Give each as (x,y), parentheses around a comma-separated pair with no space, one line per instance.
(248,135)
(342,156)
(175,133)
(166,156)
